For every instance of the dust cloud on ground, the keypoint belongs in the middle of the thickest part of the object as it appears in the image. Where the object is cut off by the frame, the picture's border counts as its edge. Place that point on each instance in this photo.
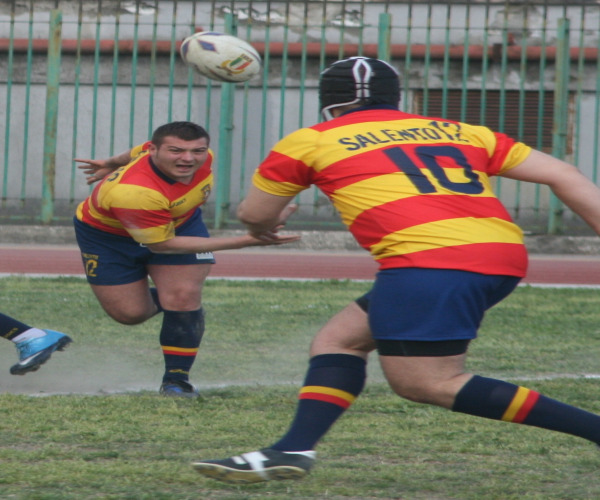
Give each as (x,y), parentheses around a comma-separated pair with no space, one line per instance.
(78,371)
(101,371)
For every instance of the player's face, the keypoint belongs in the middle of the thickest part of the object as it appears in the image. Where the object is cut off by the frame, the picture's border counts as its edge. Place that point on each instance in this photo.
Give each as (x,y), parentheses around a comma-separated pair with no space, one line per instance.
(179,159)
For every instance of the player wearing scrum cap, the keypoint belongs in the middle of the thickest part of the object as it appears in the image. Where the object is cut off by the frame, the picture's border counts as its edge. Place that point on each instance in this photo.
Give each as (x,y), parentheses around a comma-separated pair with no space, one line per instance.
(415,192)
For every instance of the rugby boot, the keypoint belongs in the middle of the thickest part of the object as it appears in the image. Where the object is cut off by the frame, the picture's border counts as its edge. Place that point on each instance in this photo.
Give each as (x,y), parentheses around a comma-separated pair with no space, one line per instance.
(33,353)
(258,466)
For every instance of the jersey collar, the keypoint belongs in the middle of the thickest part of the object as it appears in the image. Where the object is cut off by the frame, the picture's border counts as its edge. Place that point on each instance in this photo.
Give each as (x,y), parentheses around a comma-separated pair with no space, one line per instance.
(370,107)
(159,173)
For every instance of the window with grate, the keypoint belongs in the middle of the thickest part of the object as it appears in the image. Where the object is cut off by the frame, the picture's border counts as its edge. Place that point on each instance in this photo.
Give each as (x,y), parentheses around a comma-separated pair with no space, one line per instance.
(523,115)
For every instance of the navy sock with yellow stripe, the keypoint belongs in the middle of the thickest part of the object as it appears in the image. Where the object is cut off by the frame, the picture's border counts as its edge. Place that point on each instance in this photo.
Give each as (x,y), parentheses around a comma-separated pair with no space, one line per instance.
(180,338)
(331,385)
(498,400)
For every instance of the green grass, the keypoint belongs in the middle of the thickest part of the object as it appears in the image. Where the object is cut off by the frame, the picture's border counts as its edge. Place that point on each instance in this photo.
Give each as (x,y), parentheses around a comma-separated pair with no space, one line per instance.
(76,444)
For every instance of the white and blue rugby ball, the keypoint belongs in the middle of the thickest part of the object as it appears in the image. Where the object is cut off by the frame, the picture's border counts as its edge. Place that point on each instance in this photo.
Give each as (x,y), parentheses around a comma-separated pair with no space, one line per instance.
(221,57)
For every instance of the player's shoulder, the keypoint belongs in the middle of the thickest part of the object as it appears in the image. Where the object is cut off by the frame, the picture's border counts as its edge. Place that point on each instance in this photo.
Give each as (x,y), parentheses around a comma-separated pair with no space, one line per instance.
(301,136)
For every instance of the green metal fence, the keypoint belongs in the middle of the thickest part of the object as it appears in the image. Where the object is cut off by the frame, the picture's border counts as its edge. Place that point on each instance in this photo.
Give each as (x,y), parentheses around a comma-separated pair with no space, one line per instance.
(90,78)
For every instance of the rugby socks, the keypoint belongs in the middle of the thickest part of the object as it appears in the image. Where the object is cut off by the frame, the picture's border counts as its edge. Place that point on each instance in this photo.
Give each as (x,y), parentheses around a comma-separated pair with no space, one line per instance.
(14,330)
(498,400)
(332,383)
(180,338)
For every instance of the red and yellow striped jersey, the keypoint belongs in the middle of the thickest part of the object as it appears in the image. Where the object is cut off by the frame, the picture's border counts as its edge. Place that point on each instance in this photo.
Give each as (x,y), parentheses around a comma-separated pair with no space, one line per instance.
(138,201)
(414,191)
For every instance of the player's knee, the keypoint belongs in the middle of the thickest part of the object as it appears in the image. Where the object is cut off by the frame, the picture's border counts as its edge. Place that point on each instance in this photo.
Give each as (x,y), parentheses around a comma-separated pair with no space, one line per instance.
(185,299)
(129,317)
(419,391)
(333,344)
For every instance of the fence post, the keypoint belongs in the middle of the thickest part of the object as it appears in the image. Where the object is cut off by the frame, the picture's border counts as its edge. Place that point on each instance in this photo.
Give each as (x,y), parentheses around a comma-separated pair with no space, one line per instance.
(384,36)
(51,116)
(223,167)
(561,118)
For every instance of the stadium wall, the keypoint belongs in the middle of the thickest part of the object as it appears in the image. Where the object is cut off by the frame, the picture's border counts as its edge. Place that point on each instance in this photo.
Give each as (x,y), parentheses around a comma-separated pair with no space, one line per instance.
(120,76)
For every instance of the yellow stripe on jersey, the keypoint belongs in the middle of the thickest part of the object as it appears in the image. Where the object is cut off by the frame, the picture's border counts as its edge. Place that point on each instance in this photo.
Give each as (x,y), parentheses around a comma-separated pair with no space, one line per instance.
(354,139)
(153,234)
(295,144)
(136,151)
(276,188)
(355,198)
(517,155)
(444,233)
(94,213)
(131,196)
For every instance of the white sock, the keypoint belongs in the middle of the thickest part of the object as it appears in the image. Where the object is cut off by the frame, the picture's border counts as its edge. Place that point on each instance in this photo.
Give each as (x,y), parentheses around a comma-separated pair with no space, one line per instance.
(32,333)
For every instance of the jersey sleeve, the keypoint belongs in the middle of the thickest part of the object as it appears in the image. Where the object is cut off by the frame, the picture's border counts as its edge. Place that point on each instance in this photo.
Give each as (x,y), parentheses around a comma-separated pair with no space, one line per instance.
(507,154)
(287,169)
(139,149)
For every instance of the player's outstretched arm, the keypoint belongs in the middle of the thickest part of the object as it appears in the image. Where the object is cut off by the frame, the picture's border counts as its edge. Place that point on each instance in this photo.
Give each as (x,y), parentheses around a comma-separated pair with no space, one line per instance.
(569,185)
(196,244)
(263,213)
(98,169)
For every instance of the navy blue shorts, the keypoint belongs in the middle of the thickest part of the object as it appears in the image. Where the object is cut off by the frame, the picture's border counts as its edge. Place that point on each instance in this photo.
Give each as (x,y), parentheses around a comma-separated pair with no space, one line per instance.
(433,304)
(110,259)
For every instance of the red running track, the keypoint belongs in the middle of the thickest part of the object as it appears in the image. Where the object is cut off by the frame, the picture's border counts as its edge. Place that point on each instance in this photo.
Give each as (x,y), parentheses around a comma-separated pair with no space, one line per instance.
(257,263)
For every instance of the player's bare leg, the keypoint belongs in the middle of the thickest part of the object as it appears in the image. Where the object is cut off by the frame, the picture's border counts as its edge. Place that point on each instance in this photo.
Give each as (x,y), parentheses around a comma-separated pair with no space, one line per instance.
(431,380)
(180,287)
(347,332)
(129,304)
(441,381)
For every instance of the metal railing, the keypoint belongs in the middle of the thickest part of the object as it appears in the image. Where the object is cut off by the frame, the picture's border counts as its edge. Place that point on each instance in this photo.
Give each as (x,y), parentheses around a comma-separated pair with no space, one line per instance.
(90,78)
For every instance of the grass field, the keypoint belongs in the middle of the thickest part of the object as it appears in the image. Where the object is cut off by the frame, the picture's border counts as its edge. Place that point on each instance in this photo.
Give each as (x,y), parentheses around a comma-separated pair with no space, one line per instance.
(101,430)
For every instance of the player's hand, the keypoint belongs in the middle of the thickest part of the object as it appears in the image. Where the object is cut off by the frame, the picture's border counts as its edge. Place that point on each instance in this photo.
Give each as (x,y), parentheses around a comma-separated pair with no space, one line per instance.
(95,170)
(285,214)
(271,236)
(274,238)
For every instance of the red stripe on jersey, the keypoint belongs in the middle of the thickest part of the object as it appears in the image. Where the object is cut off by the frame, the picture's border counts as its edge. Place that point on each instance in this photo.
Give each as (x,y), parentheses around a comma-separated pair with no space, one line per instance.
(295,172)
(330,180)
(373,224)
(526,407)
(141,219)
(327,398)
(509,259)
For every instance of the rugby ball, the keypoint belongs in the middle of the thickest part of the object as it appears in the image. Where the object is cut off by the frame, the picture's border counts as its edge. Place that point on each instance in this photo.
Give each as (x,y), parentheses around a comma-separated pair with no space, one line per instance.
(221,57)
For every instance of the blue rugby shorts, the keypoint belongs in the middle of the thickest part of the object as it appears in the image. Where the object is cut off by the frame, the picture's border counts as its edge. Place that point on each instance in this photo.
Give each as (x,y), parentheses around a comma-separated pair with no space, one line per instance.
(110,259)
(433,304)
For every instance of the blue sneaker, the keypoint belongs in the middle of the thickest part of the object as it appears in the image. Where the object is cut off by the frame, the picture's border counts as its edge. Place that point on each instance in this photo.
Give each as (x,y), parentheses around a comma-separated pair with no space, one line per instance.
(178,389)
(33,353)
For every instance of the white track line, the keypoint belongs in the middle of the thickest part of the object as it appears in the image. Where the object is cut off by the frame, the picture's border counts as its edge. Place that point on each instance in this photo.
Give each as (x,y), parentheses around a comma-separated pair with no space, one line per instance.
(246,278)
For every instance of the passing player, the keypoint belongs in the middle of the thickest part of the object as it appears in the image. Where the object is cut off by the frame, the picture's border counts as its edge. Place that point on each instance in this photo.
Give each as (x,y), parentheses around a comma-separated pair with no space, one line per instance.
(143,220)
(415,192)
